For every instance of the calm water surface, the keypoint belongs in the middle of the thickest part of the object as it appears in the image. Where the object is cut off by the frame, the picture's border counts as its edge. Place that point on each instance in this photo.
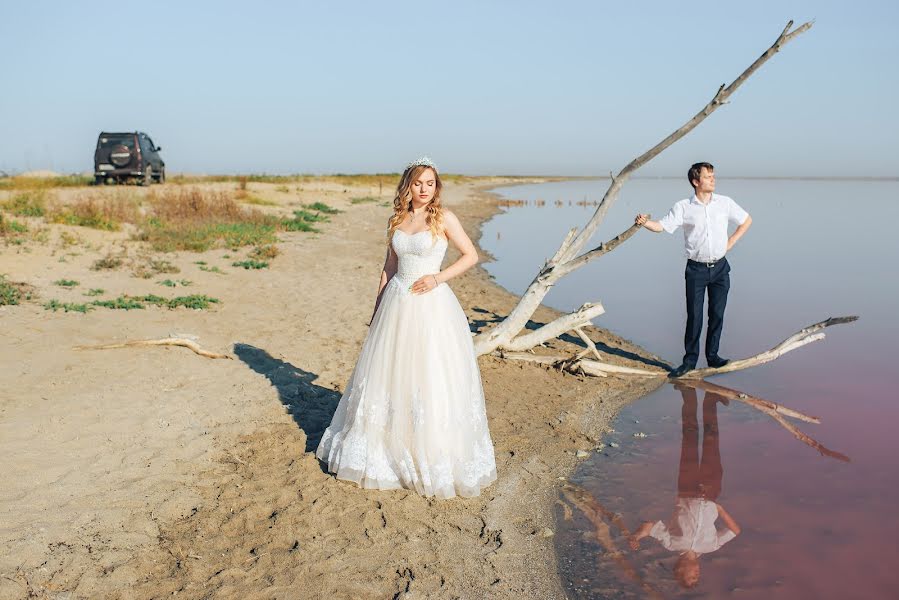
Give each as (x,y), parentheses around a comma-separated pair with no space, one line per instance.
(810,526)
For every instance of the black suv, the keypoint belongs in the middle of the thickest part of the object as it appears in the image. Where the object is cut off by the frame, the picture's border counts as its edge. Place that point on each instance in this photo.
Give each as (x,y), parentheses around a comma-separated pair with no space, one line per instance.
(122,156)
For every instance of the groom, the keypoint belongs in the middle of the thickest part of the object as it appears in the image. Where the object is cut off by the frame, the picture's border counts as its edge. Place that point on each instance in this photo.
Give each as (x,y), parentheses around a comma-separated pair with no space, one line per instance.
(705,218)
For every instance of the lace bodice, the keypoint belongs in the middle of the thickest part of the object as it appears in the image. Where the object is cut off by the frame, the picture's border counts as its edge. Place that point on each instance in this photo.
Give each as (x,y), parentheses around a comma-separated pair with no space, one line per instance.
(418,253)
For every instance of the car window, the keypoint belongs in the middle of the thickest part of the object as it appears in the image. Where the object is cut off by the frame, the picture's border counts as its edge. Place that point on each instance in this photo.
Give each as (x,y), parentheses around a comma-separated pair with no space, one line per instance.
(108,141)
(152,145)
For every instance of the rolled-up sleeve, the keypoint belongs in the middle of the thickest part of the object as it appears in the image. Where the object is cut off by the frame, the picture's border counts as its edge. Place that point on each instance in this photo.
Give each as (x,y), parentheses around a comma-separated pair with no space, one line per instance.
(735,213)
(674,219)
(724,536)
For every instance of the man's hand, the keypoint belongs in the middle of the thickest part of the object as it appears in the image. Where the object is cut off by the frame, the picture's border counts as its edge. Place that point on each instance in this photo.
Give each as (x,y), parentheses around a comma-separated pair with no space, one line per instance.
(643,220)
(642,532)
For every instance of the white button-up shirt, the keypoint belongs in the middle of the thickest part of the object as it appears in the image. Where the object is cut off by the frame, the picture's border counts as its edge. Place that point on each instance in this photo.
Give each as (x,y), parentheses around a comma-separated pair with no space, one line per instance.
(705,225)
(692,528)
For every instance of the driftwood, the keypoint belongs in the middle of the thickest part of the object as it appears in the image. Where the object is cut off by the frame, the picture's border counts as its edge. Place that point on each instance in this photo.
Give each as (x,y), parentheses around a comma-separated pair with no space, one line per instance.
(571,255)
(773,410)
(804,336)
(160,342)
(599,368)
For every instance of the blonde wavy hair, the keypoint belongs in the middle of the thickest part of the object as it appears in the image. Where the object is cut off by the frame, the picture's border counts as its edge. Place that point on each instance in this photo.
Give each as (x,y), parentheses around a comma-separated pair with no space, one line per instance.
(402,202)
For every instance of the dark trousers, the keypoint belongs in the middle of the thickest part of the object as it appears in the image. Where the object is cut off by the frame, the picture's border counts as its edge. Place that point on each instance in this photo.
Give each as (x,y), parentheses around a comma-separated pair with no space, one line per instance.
(695,478)
(716,280)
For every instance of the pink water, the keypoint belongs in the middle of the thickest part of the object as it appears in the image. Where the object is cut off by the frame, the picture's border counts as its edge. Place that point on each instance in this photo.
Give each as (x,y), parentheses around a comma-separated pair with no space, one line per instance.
(811,526)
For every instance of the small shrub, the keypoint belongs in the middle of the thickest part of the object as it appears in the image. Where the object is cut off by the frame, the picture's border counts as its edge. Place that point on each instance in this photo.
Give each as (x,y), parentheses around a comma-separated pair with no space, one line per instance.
(107,262)
(251,264)
(283,189)
(11,293)
(262,252)
(363,199)
(65,282)
(95,292)
(167,283)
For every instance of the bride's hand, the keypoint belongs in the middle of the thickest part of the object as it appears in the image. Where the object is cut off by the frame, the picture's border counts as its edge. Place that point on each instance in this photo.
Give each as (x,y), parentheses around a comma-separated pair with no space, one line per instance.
(424,284)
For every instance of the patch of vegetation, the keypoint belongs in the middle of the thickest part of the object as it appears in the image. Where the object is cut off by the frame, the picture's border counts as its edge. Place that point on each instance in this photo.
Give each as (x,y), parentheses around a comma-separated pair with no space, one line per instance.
(20,182)
(197,220)
(251,264)
(212,270)
(194,301)
(283,189)
(56,305)
(323,208)
(11,293)
(12,231)
(107,262)
(152,267)
(251,199)
(98,210)
(262,252)
(69,239)
(298,224)
(170,283)
(120,303)
(126,302)
(363,199)
(65,282)
(28,204)
(310,216)
(95,292)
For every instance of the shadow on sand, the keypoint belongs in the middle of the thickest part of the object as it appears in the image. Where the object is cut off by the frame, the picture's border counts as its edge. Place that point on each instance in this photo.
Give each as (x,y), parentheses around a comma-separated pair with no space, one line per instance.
(310,405)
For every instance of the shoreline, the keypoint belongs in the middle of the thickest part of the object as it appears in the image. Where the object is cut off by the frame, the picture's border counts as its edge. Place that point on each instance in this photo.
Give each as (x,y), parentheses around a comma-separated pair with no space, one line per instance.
(204,482)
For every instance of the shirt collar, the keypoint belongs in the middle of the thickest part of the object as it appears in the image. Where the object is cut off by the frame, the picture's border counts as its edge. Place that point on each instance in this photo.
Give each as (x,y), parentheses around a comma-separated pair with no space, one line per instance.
(695,200)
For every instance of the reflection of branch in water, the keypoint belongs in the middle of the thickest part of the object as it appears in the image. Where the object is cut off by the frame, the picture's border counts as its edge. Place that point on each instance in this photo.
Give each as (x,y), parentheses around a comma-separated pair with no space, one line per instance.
(594,511)
(773,410)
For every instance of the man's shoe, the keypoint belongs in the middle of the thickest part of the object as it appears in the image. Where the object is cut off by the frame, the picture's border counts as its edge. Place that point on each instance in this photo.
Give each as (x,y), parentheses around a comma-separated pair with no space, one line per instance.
(679,372)
(716,362)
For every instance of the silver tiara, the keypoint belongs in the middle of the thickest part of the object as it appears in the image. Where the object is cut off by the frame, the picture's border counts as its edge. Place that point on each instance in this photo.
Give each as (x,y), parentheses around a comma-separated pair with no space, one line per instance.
(424,161)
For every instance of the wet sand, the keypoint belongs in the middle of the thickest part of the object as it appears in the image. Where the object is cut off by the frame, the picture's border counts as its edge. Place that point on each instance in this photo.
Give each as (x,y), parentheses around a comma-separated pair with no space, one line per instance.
(145,472)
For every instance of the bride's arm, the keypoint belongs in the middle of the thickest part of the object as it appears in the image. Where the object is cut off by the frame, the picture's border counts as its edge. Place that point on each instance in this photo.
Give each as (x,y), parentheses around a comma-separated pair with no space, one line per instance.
(455,234)
(389,270)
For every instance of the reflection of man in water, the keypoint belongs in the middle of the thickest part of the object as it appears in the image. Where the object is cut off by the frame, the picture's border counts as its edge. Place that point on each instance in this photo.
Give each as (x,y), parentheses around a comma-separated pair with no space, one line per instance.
(691,530)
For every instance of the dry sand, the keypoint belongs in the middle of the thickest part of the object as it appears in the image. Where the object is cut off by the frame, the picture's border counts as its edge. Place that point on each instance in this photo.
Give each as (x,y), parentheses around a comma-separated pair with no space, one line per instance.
(148,472)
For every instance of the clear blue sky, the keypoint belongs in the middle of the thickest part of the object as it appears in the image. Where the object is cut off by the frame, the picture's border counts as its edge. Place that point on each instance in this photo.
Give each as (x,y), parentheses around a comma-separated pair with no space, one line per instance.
(482,87)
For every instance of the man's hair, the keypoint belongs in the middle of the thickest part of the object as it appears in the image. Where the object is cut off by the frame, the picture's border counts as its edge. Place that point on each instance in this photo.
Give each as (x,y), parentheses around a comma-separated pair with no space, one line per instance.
(696,169)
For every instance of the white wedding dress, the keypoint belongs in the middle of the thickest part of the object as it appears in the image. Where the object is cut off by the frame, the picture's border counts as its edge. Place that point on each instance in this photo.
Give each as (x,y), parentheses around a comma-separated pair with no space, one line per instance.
(413,414)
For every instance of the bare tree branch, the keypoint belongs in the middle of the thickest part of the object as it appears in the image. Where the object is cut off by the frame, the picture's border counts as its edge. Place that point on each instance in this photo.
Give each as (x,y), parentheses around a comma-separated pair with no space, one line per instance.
(555,328)
(804,336)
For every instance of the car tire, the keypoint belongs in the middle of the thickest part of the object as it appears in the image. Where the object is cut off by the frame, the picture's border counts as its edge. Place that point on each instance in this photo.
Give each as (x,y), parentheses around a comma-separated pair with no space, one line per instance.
(99,180)
(161,178)
(148,176)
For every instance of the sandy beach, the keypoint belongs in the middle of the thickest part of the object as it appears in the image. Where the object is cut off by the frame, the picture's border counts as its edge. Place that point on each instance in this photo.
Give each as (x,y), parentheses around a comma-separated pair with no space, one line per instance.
(149,472)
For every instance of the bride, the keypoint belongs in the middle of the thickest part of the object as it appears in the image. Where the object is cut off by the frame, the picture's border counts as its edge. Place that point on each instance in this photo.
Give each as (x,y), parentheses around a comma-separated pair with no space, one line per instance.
(413,414)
